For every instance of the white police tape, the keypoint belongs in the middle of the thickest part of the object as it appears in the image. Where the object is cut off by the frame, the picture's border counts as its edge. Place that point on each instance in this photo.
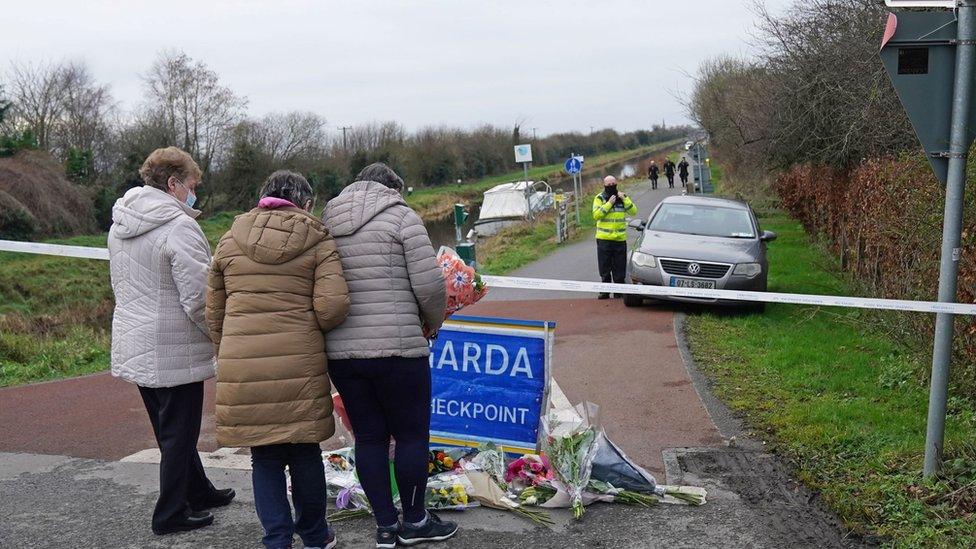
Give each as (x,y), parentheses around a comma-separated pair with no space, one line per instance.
(545,284)
(732,295)
(54,249)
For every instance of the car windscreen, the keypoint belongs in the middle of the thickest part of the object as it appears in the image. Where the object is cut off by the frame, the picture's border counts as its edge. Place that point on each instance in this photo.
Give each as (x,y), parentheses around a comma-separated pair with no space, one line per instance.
(703,220)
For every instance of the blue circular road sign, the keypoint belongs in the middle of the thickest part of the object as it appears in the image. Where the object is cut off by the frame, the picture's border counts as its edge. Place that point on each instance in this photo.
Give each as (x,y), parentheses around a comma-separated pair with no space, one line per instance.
(573,165)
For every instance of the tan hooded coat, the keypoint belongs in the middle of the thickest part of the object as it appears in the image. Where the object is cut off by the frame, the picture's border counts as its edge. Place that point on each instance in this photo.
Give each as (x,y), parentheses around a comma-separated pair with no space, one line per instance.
(276,286)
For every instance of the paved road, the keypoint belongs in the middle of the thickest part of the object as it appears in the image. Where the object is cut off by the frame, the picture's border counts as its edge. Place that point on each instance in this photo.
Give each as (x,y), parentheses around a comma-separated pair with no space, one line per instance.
(577,261)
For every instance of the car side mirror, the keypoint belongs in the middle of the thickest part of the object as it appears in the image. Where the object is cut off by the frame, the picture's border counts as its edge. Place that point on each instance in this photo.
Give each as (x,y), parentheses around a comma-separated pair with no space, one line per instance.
(637,224)
(768,236)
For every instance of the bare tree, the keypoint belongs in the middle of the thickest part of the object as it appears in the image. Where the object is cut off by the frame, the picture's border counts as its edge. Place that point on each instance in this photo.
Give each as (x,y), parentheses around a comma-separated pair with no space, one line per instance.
(198,112)
(285,137)
(83,124)
(37,91)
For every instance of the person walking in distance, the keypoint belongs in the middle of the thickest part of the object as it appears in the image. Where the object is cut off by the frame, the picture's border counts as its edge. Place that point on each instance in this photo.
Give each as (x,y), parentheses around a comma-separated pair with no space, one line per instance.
(610,210)
(683,170)
(158,257)
(653,172)
(669,172)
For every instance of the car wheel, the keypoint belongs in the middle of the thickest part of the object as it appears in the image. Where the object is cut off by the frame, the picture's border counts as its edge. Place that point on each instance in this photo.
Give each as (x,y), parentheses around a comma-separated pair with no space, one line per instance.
(633,300)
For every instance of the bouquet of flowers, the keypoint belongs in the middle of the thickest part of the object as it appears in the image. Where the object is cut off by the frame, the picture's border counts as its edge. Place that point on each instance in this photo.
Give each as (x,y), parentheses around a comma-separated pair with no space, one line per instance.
(449,491)
(490,459)
(487,492)
(528,470)
(464,285)
(351,503)
(571,447)
(626,497)
(444,460)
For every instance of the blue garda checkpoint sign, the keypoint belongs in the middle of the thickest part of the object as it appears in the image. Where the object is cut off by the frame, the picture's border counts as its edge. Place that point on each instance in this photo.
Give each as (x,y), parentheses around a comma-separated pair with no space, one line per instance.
(490,382)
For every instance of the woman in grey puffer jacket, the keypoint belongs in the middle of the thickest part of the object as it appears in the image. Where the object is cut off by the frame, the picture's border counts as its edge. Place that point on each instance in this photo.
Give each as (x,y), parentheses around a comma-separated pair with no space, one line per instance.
(378,357)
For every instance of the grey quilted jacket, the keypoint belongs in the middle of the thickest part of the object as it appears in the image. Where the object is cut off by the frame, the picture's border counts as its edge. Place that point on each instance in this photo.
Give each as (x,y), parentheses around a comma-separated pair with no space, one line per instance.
(395,284)
(159,261)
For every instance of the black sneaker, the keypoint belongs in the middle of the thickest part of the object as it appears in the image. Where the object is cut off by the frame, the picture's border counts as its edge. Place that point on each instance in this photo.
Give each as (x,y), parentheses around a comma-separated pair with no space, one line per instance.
(386,538)
(434,529)
(603,295)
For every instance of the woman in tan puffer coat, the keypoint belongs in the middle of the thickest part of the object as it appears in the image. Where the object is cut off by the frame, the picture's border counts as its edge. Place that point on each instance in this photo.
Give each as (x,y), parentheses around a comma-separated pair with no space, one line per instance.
(276,286)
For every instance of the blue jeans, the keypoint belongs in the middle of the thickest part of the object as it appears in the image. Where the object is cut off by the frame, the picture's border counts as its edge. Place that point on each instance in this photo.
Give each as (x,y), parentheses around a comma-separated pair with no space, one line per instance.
(308,493)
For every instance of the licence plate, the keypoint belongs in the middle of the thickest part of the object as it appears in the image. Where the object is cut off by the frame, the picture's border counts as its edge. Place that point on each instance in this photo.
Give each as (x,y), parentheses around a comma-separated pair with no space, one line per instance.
(692,283)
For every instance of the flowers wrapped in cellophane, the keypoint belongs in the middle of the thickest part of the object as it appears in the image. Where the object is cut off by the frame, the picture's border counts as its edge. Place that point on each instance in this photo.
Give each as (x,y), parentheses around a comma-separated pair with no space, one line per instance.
(449,491)
(571,447)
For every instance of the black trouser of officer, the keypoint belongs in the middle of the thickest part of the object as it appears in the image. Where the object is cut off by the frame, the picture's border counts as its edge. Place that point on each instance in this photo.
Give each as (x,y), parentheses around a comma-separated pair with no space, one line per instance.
(671,181)
(612,258)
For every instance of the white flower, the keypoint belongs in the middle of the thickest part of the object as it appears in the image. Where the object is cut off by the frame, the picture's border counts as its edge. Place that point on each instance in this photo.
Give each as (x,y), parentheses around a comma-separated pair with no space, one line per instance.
(531,500)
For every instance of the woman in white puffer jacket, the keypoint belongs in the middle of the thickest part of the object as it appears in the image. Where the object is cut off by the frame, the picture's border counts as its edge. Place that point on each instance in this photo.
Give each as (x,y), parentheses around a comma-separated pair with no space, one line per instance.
(160,340)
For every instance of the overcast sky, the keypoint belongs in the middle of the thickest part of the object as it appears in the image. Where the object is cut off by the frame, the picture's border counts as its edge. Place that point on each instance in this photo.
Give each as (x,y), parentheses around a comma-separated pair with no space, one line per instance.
(555,65)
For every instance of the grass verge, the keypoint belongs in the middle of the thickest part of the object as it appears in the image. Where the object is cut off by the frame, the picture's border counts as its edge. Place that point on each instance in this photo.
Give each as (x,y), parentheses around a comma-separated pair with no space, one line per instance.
(842,401)
(55,312)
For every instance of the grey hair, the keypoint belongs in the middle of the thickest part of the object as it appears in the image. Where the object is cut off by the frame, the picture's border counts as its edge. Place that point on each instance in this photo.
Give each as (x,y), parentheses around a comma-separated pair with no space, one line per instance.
(289,186)
(381,173)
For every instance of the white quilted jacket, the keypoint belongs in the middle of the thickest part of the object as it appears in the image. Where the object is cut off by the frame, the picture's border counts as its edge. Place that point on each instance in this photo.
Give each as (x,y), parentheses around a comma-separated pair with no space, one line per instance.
(395,284)
(159,261)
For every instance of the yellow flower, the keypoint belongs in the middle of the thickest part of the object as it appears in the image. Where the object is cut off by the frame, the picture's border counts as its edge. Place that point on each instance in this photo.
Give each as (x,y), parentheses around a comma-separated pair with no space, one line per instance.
(448,462)
(464,499)
(443,492)
(430,467)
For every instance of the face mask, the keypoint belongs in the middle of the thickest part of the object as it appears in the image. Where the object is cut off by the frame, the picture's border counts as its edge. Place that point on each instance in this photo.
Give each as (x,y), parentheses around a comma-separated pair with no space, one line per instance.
(611,190)
(191,198)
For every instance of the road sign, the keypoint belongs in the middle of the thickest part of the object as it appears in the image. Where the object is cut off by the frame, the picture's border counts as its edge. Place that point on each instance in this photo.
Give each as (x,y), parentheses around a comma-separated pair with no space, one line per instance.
(523,153)
(921,3)
(919,54)
(489,382)
(931,59)
(573,165)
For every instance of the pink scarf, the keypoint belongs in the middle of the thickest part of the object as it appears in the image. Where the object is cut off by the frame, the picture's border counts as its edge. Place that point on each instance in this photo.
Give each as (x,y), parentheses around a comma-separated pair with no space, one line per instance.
(270,202)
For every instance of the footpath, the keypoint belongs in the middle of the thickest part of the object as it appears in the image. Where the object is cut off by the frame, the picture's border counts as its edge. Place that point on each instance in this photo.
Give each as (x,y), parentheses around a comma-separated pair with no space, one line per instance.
(76,465)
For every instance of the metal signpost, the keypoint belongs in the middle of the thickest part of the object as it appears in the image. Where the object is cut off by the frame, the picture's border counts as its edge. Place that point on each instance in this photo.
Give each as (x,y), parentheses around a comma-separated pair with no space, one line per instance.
(523,154)
(574,167)
(923,52)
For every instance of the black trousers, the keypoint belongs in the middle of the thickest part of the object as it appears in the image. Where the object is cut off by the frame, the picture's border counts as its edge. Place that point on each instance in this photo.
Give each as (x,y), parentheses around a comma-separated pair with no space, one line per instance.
(388,397)
(175,414)
(684,178)
(612,259)
(671,181)
(653,182)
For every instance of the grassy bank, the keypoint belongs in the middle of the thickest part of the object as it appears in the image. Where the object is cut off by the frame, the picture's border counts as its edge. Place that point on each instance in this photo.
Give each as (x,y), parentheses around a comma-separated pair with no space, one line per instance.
(438,202)
(842,401)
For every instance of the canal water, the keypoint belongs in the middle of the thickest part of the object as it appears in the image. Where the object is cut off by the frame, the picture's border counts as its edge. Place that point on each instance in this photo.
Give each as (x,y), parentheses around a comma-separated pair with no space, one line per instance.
(442,230)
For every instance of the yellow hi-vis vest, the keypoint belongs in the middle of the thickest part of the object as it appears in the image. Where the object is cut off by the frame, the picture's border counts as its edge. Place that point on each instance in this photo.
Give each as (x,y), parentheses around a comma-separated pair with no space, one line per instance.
(611,220)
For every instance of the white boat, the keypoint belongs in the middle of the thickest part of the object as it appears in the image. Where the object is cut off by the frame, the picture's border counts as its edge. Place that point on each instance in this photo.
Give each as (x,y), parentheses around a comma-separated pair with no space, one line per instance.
(509,204)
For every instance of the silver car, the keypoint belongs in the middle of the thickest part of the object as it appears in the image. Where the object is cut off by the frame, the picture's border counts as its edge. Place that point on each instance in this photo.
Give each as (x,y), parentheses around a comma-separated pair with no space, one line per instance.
(699,242)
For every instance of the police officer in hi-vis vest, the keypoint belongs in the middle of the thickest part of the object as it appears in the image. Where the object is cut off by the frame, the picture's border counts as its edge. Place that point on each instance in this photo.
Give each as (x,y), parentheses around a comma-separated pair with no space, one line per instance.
(610,210)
